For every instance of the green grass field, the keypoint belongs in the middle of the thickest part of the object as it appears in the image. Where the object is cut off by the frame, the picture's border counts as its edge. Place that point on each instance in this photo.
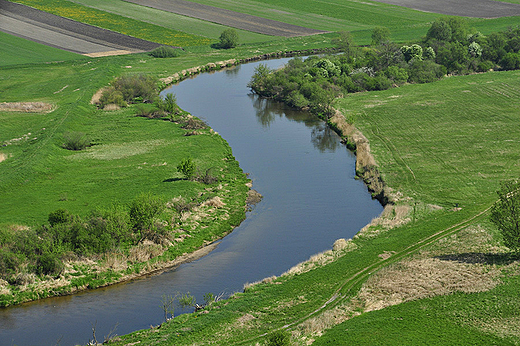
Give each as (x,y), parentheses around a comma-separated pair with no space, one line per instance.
(17,50)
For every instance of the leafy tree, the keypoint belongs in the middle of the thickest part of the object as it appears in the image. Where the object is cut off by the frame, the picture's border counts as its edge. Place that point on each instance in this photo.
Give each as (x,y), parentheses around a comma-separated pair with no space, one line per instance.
(228,39)
(440,30)
(187,167)
(186,300)
(380,35)
(505,214)
(344,42)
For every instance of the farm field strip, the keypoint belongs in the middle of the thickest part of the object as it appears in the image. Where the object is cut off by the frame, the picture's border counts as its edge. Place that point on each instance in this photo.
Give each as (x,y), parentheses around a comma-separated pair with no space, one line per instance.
(168,19)
(125,29)
(464,8)
(66,34)
(229,18)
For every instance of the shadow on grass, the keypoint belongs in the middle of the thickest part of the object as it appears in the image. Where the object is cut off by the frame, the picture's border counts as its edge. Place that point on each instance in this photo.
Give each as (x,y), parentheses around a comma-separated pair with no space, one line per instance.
(482,258)
(171,180)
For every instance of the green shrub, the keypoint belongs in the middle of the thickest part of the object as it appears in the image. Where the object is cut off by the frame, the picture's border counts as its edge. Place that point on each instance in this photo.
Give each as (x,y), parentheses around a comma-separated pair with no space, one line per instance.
(49,264)
(165,52)
(137,88)
(76,141)
(187,167)
(168,104)
(112,96)
(143,209)
(279,338)
(58,216)
(228,39)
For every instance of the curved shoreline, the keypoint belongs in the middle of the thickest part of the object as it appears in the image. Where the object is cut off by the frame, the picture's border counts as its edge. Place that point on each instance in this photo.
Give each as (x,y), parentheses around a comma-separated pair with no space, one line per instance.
(366,168)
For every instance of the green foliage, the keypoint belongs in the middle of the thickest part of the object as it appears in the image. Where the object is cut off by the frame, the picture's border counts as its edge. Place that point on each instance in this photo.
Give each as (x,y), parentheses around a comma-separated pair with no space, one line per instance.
(440,30)
(208,298)
(168,305)
(413,52)
(168,104)
(143,210)
(187,167)
(58,216)
(112,96)
(228,39)
(49,264)
(344,42)
(165,52)
(474,50)
(186,300)
(380,35)
(135,88)
(279,338)
(76,141)
(505,213)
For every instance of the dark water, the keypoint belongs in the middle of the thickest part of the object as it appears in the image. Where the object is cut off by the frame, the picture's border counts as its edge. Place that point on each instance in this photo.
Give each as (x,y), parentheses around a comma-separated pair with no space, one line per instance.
(310,199)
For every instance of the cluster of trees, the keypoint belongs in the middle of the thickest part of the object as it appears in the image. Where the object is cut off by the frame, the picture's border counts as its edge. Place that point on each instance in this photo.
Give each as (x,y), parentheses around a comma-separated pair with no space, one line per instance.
(450,46)
(41,251)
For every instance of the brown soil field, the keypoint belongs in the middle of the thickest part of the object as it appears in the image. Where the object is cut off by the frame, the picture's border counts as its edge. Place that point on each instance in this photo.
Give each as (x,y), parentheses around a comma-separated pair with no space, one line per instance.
(464,8)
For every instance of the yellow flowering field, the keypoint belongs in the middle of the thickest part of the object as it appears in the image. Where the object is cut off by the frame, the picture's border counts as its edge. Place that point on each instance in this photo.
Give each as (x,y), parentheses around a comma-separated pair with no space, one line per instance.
(124,25)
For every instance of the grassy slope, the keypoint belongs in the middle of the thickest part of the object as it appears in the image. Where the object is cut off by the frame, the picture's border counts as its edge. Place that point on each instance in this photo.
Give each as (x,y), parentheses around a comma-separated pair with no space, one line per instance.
(16,50)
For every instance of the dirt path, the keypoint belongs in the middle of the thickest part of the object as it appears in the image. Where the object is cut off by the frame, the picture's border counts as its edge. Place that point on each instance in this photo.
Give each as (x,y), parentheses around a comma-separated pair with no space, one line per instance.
(51,30)
(229,18)
(464,8)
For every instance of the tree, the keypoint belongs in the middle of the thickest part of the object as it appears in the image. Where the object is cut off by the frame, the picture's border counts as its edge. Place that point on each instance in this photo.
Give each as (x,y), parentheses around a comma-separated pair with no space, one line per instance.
(228,39)
(440,30)
(505,213)
(187,167)
(344,42)
(380,35)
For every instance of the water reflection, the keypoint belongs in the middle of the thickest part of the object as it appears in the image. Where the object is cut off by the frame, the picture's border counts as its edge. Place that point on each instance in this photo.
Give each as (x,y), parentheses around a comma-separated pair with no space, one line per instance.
(322,136)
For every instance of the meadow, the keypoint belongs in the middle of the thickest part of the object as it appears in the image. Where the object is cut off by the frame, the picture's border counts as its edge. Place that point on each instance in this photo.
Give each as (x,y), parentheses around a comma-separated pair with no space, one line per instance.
(438,146)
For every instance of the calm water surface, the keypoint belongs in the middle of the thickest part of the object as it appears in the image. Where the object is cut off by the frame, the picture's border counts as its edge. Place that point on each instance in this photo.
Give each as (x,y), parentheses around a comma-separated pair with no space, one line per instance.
(310,199)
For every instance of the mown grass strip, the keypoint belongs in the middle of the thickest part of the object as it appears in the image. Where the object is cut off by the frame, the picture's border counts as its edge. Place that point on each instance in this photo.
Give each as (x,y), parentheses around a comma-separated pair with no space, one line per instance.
(123,25)
(16,50)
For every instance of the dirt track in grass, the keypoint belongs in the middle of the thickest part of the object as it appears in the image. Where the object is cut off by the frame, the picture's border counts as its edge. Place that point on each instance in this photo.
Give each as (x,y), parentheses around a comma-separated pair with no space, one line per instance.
(228,18)
(464,8)
(51,30)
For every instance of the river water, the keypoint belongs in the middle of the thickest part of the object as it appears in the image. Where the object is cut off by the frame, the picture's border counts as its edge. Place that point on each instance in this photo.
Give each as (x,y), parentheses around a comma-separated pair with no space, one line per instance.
(311,198)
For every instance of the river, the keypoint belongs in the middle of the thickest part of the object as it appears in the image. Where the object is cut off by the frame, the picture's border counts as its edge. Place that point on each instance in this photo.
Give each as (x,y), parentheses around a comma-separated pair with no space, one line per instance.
(311,198)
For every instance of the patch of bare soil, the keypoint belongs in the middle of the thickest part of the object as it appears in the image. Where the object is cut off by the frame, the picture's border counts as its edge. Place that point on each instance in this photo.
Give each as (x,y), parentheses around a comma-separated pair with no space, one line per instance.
(26,107)
(3,157)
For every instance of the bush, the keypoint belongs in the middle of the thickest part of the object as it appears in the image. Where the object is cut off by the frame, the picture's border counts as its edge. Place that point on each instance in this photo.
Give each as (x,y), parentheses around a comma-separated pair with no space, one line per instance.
(168,104)
(505,214)
(49,264)
(206,177)
(76,141)
(228,39)
(279,338)
(143,209)
(165,52)
(187,167)
(112,96)
(137,88)
(58,216)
